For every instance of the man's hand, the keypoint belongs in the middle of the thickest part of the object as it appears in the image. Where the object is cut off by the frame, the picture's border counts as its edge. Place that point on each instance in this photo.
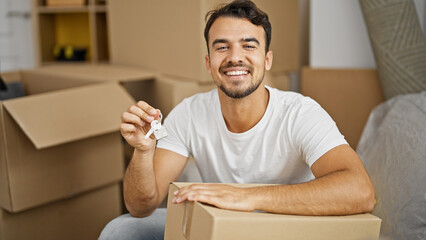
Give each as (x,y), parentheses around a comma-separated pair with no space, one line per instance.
(136,123)
(219,195)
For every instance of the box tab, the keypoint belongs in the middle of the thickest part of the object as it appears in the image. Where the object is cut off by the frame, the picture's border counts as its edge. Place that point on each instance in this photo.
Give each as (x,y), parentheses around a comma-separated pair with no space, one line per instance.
(49,119)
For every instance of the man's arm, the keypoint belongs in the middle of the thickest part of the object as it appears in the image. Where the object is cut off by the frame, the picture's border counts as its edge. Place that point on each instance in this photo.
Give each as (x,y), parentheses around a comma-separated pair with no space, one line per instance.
(150,170)
(147,179)
(342,186)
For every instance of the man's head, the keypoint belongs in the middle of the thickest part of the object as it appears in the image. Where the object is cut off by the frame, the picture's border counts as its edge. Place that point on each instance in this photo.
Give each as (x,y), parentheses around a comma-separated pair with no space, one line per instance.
(244,9)
(238,48)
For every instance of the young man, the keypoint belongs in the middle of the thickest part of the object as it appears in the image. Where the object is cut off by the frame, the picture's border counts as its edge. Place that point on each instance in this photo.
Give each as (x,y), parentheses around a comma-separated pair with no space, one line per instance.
(243,132)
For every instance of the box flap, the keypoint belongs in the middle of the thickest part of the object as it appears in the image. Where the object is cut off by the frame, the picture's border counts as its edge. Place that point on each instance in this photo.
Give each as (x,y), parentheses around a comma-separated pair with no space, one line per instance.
(63,116)
(4,168)
(97,72)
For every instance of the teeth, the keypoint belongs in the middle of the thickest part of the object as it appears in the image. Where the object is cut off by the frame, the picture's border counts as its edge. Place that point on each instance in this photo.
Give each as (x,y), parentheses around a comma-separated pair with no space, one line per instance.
(234,73)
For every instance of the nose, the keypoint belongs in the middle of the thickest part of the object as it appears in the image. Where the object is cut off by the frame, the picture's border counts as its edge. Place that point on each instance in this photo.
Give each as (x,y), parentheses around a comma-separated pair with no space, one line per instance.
(235,55)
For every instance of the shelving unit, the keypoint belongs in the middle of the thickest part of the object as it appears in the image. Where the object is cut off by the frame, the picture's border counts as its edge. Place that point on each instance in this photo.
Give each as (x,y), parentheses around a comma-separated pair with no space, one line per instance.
(78,26)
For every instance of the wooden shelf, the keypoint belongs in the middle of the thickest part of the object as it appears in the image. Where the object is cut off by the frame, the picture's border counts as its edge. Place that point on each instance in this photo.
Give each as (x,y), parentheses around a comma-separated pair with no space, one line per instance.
(100,9)
(56,10)
(78,26)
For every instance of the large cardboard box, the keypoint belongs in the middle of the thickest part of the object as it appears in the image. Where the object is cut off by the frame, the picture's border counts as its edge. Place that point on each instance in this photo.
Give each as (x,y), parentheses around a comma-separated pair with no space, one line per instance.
(197,221)
(81,217)
(348,95)
(167,36)
(59,144)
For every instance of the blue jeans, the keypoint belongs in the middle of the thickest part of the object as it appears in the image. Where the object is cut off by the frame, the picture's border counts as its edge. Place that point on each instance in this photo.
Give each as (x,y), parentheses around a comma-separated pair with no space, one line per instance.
(126,227)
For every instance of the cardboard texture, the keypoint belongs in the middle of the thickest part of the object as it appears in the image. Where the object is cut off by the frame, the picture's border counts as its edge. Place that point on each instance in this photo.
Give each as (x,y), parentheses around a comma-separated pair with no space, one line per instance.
(280,81)
(56,77)
(81,217)
(11,77)
(193,221)
(59,144)
(176,45)
(161,91)
(168,92)
(348,95)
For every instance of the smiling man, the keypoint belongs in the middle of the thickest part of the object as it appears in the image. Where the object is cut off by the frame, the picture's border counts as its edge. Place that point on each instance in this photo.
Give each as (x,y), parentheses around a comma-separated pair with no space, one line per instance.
(241,132)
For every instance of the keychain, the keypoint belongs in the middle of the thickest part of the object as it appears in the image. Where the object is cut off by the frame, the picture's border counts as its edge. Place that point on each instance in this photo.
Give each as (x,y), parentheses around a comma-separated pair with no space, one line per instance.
(158,129)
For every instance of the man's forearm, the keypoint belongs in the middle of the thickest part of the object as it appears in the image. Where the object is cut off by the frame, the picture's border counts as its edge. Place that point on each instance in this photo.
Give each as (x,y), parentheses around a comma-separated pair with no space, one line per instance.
(140,190)
(339,193)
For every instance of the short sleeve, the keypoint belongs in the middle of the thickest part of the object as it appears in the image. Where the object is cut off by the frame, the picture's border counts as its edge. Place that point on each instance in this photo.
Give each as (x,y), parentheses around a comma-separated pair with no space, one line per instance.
(314,131)
(176,124)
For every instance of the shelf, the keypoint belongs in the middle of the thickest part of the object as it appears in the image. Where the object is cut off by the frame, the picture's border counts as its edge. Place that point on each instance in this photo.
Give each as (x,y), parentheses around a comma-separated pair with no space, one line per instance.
(55,10)
(82,9)
(101,9)
(83,26)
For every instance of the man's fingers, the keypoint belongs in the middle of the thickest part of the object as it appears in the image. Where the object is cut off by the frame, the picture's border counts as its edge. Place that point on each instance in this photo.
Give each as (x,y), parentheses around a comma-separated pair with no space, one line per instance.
(127,128)
(195,192)
(219,195)
(127,117)
(147,109)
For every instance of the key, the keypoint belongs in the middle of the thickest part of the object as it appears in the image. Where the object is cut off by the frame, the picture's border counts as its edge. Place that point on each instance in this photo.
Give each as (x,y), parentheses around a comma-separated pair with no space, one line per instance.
(155,125)
(160,133)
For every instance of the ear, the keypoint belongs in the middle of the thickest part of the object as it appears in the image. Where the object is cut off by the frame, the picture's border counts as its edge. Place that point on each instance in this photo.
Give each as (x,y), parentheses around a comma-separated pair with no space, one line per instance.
(268,60)
(208,67)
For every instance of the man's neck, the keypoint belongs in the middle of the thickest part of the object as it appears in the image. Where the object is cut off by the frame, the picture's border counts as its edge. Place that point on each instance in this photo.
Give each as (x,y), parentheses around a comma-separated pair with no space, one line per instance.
(242,114)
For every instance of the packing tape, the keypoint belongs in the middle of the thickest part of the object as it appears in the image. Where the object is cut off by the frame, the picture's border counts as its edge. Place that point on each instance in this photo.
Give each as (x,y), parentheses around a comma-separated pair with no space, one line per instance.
(187,219)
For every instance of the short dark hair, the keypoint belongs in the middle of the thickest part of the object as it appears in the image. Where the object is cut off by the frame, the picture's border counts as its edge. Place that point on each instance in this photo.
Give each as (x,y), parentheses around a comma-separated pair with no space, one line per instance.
(245,9)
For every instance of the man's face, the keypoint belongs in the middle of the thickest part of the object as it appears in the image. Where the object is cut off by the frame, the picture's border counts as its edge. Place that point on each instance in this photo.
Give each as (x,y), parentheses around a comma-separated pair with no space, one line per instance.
(237,59)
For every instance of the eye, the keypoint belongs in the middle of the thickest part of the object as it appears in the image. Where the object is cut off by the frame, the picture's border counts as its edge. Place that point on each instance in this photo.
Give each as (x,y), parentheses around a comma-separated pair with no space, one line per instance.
(221,48)
(250,47)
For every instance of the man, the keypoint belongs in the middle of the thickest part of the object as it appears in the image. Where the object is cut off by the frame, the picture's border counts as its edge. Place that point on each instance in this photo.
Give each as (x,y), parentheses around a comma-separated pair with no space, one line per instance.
(242,132)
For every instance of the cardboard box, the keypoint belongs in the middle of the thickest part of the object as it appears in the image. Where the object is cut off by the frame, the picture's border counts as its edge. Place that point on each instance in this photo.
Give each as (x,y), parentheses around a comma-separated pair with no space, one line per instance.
(168,91)
(80,217)
(348,95)
(161,91)
(197,221)
(154,35)
(56,77)
(11,77)
(59,144)
(279,80)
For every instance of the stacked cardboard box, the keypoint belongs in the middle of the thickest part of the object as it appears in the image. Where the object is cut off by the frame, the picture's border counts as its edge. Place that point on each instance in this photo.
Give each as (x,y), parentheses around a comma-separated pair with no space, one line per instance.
(167,36)
(348,95)
(79,217)
(61,160)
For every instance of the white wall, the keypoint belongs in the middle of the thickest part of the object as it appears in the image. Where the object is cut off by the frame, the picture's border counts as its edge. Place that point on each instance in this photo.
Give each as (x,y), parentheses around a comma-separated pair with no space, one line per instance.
(421,13)
(338,34)
(16,38)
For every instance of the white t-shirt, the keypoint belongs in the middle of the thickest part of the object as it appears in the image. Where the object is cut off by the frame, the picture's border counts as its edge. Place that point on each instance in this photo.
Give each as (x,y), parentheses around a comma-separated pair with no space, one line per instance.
(292,134)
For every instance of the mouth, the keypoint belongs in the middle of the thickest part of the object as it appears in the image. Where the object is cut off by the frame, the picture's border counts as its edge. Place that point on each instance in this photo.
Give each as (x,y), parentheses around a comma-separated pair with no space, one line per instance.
(236,73)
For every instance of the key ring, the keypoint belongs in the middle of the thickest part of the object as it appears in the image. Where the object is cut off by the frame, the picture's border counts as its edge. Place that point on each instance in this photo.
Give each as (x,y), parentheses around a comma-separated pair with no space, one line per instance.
(161,117)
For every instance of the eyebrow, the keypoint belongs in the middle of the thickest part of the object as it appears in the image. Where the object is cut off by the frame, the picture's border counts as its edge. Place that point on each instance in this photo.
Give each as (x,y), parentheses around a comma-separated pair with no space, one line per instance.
(250,40)
(216,41)
(221,40)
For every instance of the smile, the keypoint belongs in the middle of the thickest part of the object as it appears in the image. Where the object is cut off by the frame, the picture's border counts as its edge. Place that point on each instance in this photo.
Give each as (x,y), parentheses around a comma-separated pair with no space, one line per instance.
(236,73)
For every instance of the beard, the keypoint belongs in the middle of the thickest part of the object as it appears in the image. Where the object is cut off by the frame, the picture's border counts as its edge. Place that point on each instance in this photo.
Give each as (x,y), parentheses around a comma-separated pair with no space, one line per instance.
(243,92)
